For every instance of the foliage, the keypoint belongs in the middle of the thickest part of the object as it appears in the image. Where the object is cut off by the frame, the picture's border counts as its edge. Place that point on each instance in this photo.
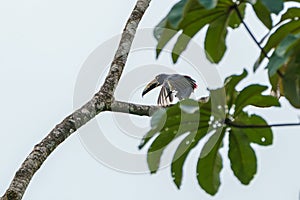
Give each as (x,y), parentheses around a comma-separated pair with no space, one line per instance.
(224,113)
(285,59)
(188,17)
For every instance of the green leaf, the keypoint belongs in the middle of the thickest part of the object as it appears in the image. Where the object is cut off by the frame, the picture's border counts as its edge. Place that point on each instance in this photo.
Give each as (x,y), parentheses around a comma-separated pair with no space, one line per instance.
(263,101)
(230,83)
(246,94)
(210,164)
(275,63)
(276,84)
(286,44)
(208,4)
(179,121)
(218,104)
(263,14)
(291,80)
(159,28)
(158,146)
(189,142)
(168,27)
(193,17)
(242,156)
(157,122)
(234,20)
(274,6)
(251,95)
(191,27)
(291,13)
(284,30)
(166,36)
(291,84)
(176,13)
(215,45)
(183,150)
(261,136)
(291,27)
(286,59)
(282,54)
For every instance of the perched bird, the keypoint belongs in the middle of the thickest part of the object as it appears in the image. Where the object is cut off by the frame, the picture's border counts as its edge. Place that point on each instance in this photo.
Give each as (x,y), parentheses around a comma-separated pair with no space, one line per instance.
(180,85)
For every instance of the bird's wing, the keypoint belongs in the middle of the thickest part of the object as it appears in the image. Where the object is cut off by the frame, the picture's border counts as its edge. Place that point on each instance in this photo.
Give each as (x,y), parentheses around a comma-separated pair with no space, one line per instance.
(165,96)
(182,85)
(191,81)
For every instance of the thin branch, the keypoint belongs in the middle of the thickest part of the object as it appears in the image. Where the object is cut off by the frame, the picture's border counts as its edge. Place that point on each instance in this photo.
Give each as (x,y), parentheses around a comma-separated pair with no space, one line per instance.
(232,124)
(101,101)
(253,37)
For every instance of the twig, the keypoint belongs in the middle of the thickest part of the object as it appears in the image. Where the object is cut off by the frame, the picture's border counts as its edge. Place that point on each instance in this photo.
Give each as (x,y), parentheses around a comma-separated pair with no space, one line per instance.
(101,101)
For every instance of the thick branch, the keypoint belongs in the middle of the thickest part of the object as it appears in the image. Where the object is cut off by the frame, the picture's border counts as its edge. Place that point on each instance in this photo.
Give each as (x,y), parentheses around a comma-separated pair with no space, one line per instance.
(136,109)
(100,102)
(131,108)
(122,52)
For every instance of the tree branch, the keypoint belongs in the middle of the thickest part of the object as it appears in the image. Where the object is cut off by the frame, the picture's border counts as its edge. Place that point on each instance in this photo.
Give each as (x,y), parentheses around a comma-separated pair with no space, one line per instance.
(101,101)
(122,52)
(131,108)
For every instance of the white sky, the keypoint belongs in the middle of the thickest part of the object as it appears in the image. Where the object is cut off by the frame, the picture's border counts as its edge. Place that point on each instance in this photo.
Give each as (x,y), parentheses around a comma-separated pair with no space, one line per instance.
(43,45)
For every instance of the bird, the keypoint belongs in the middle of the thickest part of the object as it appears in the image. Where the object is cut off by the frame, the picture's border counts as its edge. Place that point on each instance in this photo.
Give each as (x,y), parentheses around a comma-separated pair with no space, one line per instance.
(180,85)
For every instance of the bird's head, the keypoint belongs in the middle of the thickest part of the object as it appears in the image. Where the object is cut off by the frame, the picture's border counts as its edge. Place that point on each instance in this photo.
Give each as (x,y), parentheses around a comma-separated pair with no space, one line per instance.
(157,81)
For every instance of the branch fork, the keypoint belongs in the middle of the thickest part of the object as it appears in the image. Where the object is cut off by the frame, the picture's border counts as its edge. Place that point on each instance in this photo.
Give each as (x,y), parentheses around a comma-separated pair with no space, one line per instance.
(101,101)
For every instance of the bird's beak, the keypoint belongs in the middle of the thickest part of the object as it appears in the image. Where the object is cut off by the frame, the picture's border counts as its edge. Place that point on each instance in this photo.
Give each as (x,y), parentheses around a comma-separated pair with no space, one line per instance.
(153,84)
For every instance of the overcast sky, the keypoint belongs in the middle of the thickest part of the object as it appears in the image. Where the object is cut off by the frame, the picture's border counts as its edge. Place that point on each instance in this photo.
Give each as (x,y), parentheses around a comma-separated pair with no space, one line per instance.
(44,45)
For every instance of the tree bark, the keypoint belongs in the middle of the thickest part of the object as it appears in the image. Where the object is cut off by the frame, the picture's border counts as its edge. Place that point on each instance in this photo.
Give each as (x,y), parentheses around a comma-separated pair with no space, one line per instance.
(101,101)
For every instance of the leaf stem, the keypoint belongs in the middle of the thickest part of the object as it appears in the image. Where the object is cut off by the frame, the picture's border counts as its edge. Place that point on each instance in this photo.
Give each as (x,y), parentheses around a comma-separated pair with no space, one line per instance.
(232,124)
(258,43)
(268,33)
(249,31)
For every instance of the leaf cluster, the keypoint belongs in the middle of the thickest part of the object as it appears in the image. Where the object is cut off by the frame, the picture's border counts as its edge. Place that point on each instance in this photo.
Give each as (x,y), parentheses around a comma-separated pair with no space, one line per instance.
(188,17)
(224,113)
